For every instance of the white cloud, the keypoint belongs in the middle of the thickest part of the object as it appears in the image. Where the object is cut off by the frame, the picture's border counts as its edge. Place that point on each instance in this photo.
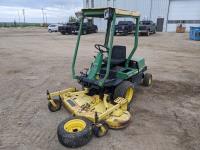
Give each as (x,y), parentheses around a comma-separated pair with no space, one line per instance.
(54,14)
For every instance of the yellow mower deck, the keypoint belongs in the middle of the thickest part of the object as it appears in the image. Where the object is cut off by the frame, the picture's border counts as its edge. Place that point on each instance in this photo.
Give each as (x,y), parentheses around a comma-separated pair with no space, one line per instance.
(93,107)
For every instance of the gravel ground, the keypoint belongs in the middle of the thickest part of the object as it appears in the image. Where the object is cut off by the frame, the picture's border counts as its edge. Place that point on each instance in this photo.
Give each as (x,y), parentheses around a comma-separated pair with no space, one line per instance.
(166,116)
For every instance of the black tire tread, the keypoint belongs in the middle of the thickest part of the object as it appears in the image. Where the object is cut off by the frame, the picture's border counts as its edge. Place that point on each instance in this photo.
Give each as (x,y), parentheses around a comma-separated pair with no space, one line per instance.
(146,79)
(121,89)
(77,139)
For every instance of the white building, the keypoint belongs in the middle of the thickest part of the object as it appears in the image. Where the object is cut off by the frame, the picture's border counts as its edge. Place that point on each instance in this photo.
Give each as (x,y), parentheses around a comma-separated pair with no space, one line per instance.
(172,11)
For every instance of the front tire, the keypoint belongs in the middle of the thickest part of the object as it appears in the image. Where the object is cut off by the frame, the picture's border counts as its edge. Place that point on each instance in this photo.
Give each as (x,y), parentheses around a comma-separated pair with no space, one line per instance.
(125,90)
(74,132)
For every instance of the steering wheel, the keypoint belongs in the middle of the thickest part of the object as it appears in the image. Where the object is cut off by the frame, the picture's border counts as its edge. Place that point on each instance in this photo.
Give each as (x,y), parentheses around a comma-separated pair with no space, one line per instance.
(98,47)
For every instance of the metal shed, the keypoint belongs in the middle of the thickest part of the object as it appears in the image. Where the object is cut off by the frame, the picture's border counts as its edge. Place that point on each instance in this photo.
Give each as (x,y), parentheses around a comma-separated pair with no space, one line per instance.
(173,11)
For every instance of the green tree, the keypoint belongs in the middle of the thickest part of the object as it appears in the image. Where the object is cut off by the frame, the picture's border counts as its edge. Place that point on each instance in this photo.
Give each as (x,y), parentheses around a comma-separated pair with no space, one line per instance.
(72,19)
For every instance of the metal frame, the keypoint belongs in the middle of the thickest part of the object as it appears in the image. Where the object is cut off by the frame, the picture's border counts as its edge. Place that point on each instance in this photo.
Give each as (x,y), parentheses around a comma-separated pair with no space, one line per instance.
(99,13)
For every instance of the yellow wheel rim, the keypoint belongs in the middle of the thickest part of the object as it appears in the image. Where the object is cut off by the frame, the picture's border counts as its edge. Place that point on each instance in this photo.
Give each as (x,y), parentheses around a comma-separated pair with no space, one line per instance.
(129,94)
(75,125)
(102,131)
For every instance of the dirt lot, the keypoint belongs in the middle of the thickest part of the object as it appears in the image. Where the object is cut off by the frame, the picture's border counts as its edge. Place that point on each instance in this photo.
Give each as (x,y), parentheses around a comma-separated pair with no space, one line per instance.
(166,116)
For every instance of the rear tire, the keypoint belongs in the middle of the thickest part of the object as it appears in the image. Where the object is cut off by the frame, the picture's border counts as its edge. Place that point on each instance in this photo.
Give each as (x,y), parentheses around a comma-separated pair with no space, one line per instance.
(125,90)
(147,81)
(74,132)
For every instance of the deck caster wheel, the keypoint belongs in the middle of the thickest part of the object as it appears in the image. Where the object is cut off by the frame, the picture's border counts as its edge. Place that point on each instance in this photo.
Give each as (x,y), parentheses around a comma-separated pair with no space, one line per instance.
(74,132)
(100,129)
(147,81)
(56,107)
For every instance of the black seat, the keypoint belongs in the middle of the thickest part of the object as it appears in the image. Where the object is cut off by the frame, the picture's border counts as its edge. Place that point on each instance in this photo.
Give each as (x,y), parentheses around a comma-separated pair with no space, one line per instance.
(118,55)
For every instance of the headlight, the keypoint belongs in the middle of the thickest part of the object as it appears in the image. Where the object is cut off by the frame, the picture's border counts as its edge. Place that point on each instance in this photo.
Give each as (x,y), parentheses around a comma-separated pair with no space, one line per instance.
(107,13)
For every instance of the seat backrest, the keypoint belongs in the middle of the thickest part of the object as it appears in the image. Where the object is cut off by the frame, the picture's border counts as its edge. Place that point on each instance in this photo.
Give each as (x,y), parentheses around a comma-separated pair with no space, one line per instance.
(118,52)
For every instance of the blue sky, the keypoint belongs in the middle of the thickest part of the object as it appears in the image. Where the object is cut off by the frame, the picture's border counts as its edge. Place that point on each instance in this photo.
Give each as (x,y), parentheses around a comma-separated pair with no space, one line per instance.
(55,10)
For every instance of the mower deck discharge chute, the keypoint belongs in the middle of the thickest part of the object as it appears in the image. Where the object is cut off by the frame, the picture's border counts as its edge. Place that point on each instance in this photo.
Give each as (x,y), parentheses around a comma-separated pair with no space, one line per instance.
(108,85)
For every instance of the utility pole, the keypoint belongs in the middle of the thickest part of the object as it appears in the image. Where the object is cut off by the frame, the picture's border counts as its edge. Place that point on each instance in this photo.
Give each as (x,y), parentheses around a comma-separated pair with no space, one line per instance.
(23,11)
(114,3)
(151,10)
(46,17)
(43,16)
(18,16)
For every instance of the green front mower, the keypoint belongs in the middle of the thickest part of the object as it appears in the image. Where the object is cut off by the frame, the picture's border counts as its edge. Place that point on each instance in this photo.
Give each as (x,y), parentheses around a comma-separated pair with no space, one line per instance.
(108,85)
